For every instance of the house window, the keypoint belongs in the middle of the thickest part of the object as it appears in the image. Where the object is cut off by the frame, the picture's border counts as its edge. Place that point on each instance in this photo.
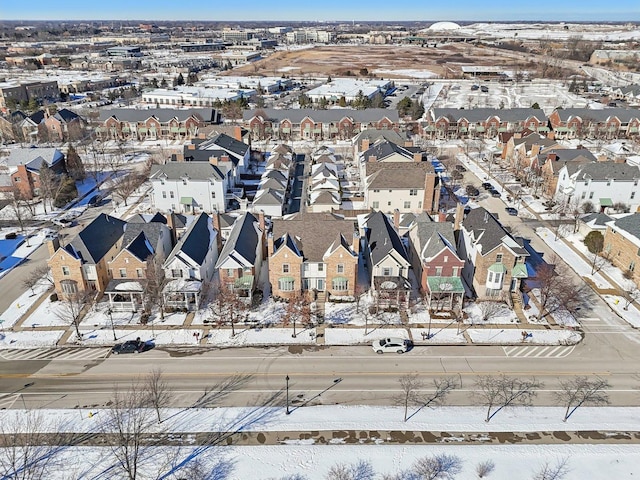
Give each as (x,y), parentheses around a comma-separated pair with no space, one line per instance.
(584,194)
(139,272)
(65,271)
(375,204)
(413,192)
(633,195)
(387,271)
(213,194)
(499,258)
(632,266)
(164,194)
(340,283)
(69,286)
(123,272)
(340,268)
(230,272)
(376,191)
(18,179)
(438,271)
(388,204)
(171,194)
(590,195)
(285,268)
(454,272)
(446,259)
(407,204)
(419,205)
(305,267)
(321,267)
(176,273)
(286,284)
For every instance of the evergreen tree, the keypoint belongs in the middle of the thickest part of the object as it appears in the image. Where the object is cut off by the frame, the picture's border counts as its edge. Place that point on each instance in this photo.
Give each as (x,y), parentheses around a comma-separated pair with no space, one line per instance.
(75,167)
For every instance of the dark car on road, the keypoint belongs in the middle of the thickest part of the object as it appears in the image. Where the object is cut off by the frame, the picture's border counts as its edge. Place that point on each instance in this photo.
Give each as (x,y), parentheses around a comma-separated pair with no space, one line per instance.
(487,185)
(511,211)
(130,346)
(461,168)
(494,193)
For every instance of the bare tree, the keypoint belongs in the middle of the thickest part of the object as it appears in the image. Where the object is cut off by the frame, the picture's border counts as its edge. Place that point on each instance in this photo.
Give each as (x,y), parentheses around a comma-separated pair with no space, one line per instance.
(43,272)
(19,205)
(125,185)
(489,309)
(410,385)
(558,291)
(360,470)
(155,281)
(556,471)
(70,309)
(485,468)
(49,185)
(157,390)
(31,280)
(26,451)
(630,292)
(228,307)
(128,422)
(578,391)
(501,392)
(442,466)
(298,310)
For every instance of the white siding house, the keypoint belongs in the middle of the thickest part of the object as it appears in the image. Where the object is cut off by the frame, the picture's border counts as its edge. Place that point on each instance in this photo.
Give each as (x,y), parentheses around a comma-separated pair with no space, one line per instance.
(189,187)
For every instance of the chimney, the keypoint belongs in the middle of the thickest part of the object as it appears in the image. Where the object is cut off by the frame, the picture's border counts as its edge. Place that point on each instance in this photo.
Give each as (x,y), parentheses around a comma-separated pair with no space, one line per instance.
(396,219)
(53,246)
(458,217)
(372,158)
(237,133)
(215,217)
(408,143)
(191,146)
(263,229)
(365,145)
(270,247)
(171,223)
(417,157)
(224,158)
(213,160)
(356,243)
(442,217)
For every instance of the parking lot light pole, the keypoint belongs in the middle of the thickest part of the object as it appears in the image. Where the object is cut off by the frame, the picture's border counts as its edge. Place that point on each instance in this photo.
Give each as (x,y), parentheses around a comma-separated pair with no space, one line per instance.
(109,312)
(287,380)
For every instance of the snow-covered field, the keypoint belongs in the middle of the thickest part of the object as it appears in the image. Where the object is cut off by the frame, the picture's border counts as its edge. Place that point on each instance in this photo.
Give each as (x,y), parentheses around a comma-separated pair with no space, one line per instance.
(28,339)
(313,461)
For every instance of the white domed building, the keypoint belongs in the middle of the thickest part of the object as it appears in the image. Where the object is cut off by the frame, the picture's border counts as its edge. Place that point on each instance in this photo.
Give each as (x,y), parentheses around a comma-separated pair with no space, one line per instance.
(443,27)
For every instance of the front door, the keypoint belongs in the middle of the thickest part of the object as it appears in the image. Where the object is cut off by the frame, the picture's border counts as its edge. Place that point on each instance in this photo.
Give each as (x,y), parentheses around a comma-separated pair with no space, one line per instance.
(321,284)
(514,284)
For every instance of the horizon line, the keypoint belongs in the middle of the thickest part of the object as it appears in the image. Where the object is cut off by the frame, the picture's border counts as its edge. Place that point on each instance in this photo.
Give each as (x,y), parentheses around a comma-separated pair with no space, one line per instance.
(624,21)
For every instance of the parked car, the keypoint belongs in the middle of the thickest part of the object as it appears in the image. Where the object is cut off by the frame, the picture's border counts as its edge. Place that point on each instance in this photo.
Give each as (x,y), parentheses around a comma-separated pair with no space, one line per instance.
(472,191)
(495,193)
(487,186)
(511,211)
(130,346)
(61,222)
(475,87)
(95,201)
(484,89)
(461,168)
(392,344)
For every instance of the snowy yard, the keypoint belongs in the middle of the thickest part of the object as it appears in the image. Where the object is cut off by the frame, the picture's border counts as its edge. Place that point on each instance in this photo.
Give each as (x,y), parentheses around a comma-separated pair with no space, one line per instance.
(261,336)
(104,336)
(506,336)
(356,336)
(29,339)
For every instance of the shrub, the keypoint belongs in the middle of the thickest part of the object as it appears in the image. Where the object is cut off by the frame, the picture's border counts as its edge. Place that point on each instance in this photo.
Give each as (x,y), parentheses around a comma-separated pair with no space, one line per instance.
(11,236)
(53,297)
(66,193)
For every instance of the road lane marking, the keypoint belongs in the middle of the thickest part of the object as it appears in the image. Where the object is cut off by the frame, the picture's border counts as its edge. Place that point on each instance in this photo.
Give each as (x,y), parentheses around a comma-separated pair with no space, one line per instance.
(539,351)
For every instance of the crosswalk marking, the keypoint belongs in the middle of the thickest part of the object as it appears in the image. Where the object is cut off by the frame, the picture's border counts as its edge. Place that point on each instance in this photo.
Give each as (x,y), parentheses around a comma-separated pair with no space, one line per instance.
(538,351)
(63,353)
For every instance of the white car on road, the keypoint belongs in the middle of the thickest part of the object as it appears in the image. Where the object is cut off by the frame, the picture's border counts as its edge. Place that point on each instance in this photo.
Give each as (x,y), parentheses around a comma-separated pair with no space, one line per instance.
(397,345)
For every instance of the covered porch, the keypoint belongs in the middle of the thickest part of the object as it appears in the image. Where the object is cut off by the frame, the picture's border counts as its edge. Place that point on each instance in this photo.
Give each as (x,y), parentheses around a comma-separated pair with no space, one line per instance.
(243,287)
(445,293)
(182,294)
(125,295)
(392,292)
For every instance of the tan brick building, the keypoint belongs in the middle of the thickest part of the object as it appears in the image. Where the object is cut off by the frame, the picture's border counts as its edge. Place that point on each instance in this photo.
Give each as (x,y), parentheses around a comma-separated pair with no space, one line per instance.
(622,245)
(313,252)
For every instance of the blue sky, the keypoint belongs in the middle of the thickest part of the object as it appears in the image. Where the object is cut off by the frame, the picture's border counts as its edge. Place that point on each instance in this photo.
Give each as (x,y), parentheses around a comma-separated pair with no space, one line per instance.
(323,10)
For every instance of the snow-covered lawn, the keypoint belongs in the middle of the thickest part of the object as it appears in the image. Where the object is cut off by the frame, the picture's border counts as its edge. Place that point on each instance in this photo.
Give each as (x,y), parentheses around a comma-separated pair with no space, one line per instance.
(439,335)
(631,315)
(261,336)
(48,314)
(407,72)
(356,336)
(514,336)
(104,336)
(13,252)
(18,308)
(501,316)
(269,312)
(29,339)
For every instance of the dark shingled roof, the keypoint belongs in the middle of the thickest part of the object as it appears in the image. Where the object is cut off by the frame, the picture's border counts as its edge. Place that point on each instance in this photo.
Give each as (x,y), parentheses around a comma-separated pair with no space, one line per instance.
(384,149)
(314,232)
(163,115)
(598,115)
(152,232)
(630,224)
(296,115)
(243,241)
(606,171)
(489,232)
(401,175)
(479,115)
(65,115)
(226,143)
(194,170)
(375,134)
(433,236)
(196,241)
(382,238)
(140,247)
(97,238)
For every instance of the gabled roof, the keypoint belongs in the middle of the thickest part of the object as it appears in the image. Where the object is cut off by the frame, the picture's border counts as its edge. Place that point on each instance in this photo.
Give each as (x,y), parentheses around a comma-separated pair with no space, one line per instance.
(314,232)
(163,115)
(433,236)
(630,224)
(33,158)
(94,241)
(140,247)
(153,232)
(375,134)
(288,241)
(276,174)
(193,170)
(37,117)
(269,196)
(296,115)
(384,149)
(65,115)
(401,175)
(606,171)
(489,232)
(269,182)
(382,238)
(598,115)
(596,219)
(196,241)
(479,115)
(226,143)
(242,245)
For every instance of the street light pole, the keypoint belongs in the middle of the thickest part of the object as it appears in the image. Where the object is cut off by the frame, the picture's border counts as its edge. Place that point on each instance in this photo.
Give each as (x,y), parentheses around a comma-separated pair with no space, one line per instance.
(112,327)
(287,379)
